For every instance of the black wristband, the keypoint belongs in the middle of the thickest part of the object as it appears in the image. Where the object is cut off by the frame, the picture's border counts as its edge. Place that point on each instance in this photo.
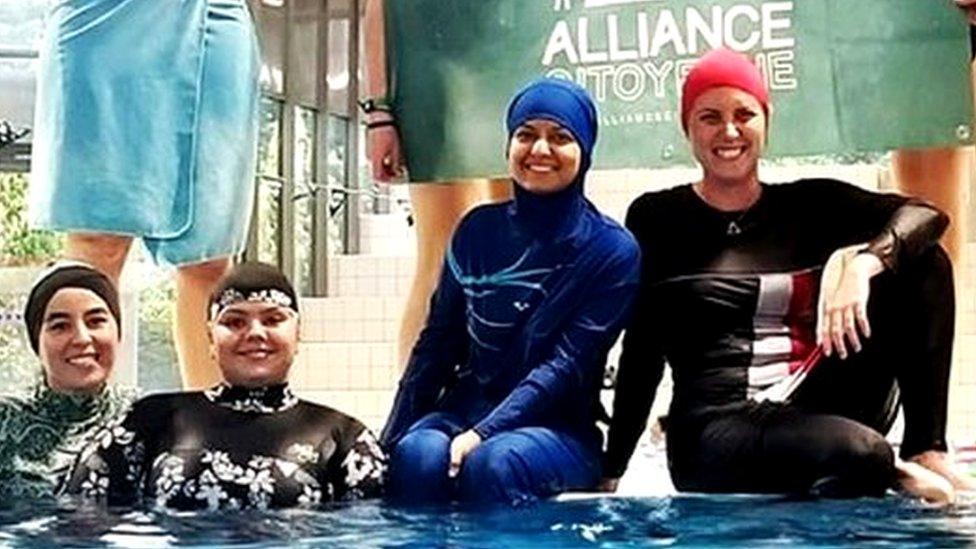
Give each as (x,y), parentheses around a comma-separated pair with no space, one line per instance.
(380,124)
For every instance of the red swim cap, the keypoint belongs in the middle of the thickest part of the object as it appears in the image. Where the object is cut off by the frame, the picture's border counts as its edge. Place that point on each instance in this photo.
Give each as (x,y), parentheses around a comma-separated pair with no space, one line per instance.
(718,68)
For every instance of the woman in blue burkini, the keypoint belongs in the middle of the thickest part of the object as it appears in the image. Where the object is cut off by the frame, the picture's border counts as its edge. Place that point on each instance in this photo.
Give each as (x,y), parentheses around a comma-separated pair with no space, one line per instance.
(146,127)
(500,397)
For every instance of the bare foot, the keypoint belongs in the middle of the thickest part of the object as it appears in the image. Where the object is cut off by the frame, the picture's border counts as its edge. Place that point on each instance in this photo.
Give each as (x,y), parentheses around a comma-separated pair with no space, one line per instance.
(940,463)
(608,484)
(922,483)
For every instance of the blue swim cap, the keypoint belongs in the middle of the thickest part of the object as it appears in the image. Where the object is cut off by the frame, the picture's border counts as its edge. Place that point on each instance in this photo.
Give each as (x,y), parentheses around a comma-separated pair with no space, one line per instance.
(560,101)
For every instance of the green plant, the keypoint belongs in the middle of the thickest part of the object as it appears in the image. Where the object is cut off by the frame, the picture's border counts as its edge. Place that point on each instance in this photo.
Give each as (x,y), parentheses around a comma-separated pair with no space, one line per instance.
(19,244)
(157,358)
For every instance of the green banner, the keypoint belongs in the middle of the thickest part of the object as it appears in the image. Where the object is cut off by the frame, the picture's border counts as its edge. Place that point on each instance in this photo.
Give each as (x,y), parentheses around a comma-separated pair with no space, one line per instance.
(846,75)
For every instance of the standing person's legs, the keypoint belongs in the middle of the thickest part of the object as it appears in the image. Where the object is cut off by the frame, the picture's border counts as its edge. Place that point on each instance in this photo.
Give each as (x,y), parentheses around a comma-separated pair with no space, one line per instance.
(194,284)
(941,176)
(527,464)
(106,252)
(437,209)
(225,154)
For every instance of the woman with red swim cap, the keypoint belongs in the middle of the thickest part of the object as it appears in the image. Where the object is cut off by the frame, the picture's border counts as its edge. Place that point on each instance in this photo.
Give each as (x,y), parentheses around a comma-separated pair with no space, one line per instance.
(795,318)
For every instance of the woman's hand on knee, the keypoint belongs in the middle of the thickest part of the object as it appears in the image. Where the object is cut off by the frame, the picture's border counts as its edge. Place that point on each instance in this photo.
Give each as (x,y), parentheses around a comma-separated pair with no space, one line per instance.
(461,446)
(845,286)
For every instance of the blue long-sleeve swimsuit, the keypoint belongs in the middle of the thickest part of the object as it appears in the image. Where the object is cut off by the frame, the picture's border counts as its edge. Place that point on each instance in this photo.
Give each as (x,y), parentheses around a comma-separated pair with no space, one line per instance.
(533,294)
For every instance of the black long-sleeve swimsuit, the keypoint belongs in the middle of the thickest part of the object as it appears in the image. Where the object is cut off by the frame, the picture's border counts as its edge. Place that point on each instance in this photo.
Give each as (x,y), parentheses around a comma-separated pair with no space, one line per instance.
(729,298)
(231,447)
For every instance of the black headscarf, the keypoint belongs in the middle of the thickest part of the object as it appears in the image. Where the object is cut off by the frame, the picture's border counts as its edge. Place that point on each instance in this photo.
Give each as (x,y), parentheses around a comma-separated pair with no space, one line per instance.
(67,275)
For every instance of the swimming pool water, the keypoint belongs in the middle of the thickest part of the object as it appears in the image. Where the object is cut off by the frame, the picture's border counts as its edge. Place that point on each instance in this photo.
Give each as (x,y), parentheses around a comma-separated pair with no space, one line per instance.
(680,521)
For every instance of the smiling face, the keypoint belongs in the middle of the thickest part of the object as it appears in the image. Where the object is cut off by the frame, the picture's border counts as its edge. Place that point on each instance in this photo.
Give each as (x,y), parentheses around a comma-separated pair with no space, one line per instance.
(255,343)
(78,341)
(727,129)
(543,156)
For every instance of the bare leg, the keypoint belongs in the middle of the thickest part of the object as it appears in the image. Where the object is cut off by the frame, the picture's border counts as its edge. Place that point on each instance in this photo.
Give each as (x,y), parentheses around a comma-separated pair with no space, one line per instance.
(105,252)
(941,176)
(194,283)
(437,208)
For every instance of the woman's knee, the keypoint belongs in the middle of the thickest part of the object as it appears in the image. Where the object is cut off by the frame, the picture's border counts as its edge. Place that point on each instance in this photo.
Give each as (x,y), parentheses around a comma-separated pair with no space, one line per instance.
(421,452)
(917,299)
(929,275)
(106,252)
(937,262)
(209,271)
(418,468)
(525,465)
(493,472)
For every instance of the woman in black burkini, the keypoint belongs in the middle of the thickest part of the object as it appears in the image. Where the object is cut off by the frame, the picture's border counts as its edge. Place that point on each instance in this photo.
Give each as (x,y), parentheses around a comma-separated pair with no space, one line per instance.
(248,442)
(786,374)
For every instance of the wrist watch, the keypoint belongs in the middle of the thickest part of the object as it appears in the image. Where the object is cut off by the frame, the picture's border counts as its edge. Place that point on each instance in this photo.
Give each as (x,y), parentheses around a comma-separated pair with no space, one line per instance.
(375,104)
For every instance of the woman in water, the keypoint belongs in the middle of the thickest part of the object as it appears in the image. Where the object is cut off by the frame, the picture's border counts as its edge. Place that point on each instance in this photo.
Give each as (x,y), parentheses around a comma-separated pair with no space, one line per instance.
(248,442)
(72,319)
(500,397)
(786,374)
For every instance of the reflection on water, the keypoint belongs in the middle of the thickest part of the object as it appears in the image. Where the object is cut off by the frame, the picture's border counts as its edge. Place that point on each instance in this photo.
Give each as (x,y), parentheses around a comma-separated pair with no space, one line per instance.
(607,522)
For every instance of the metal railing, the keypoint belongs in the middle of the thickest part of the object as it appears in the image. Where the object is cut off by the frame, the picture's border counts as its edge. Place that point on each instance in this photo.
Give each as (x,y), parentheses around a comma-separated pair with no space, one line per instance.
(339,195)
(17,52)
